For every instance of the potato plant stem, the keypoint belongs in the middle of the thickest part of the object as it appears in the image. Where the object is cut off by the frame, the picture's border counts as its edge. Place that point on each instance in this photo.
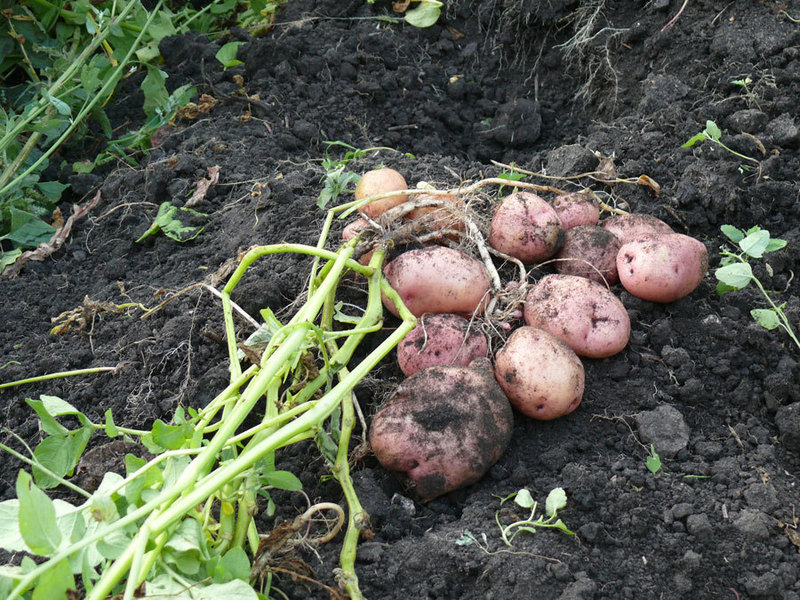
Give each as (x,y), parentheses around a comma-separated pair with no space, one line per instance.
(59,375)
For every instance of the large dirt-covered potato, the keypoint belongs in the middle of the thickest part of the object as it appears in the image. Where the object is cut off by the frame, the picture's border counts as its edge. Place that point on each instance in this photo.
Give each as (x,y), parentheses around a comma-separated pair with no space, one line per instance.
(440,340)
(443,428)
(589,251)
(582,313)
(576,209)
(526,227)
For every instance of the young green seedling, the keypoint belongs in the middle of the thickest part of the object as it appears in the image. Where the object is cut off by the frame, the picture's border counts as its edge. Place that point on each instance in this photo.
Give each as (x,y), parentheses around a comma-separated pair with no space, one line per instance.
(556,500)
(653,461)
(735,273)
(713,133)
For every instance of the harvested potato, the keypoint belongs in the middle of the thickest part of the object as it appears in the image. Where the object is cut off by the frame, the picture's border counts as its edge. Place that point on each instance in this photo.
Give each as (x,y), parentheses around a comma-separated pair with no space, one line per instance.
(380,181)
(440,340)
(576,209)
(526,227)
(439,218)
(443,428)
(593,245)
(628,228)
(664,268)
(542,377)
(582,313)
(353,228)
(438,280)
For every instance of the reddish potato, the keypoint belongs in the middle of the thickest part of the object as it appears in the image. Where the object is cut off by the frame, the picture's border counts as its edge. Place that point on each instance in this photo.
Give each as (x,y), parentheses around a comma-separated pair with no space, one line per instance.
(439,218)
(380,181)
(438,280)
(576,209)
(440,340)
(542,377)
(443,428)
(633,227)
(582,313)
(589,244)
(526,227)
(664,268)
(351,230)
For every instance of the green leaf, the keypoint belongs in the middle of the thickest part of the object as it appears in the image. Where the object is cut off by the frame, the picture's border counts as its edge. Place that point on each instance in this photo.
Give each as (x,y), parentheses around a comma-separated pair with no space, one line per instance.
(227,54)
(55,453)
(59,408)
(27,230)
(84,166)
(54,582)
(755,243)
(556,500)
(9,258)
(170,225)
(734,234)
(736,275)
(37,517)
(766,317)
(233,565)
(424,15)
(155,91)
(695,139)
(10,537)
(184,547)
(111,428)
(559,524)
(524,498)
(171,437)
(61,106)
(233,590)
(775,245)
(713,131)
(49,424)
(282,480)
(653,461)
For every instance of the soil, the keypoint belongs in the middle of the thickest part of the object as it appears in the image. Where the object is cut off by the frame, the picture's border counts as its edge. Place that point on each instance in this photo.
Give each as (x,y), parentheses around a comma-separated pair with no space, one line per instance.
(551,86)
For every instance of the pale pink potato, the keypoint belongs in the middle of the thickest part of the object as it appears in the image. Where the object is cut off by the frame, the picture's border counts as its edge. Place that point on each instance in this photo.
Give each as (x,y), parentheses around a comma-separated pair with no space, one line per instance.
(593,245)
(438,280)
(664,268)
(440,340)
(542,377)
(633,227)
(439,218)
(576,209)
(582,313)
(353,228)
(443,428)
(380,181)
(526,227)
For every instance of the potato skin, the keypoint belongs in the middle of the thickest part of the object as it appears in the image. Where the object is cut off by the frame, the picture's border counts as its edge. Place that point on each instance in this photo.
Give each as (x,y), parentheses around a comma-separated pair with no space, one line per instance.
(592,244)
(541,376)
(664,268)
(633,227)
(438,280)
(380,181)
(582,313)
(439,218)
(440,340)
(526,227)
(443,428)
(576,209)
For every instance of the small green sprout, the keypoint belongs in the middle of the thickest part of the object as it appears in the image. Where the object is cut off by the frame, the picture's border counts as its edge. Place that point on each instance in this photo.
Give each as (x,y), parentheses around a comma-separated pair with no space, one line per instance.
(735,273)
(653,461)
(556,500)
(745,85)
(713,133)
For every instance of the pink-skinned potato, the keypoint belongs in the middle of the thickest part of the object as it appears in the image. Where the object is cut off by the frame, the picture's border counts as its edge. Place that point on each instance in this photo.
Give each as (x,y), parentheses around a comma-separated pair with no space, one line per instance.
(440,340)
(664,268)
(576,209)
(632,227)
(542,377)
(582,313)
(438,280)
(526,227)
(380,181)
(443,428)
(589,251)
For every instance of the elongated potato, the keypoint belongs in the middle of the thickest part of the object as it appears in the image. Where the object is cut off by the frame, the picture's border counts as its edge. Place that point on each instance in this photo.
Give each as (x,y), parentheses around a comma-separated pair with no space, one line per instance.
(663,268)
(443,428)
(542,377)
(582,313)
(438,280)
(440,340)
(632,227)
(526,227)
(589,251)
(380,181)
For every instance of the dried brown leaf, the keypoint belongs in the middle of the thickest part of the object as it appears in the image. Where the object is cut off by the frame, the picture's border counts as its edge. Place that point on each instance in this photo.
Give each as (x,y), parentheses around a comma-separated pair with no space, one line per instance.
(203,185)
(648,181)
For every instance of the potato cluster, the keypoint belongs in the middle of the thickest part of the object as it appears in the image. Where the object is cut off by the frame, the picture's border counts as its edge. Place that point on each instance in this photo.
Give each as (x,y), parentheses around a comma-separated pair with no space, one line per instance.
(450,421)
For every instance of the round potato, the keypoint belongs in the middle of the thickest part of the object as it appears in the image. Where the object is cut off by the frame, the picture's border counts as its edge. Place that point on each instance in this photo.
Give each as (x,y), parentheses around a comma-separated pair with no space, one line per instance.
(438,280)
(589,251)
(576,209)
(526,227)
(439,218)
(380,181)
(628,228)
(664,268)
(582,313)
(440,340)
(542,377)
(443,428)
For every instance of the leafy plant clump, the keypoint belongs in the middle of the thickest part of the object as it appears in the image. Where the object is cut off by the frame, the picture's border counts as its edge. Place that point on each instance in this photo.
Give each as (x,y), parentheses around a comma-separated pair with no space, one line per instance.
(180,522)
(735,273)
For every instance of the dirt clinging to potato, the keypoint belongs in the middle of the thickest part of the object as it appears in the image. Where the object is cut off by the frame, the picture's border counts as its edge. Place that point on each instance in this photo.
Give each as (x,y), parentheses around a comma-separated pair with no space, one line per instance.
(503,81)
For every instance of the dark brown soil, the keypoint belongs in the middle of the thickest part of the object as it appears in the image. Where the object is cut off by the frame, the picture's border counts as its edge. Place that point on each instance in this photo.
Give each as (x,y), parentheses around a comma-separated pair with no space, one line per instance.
(501,81)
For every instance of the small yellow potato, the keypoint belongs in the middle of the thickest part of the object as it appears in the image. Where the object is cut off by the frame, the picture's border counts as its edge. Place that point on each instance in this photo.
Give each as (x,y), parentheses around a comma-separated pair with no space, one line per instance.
(380,181)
